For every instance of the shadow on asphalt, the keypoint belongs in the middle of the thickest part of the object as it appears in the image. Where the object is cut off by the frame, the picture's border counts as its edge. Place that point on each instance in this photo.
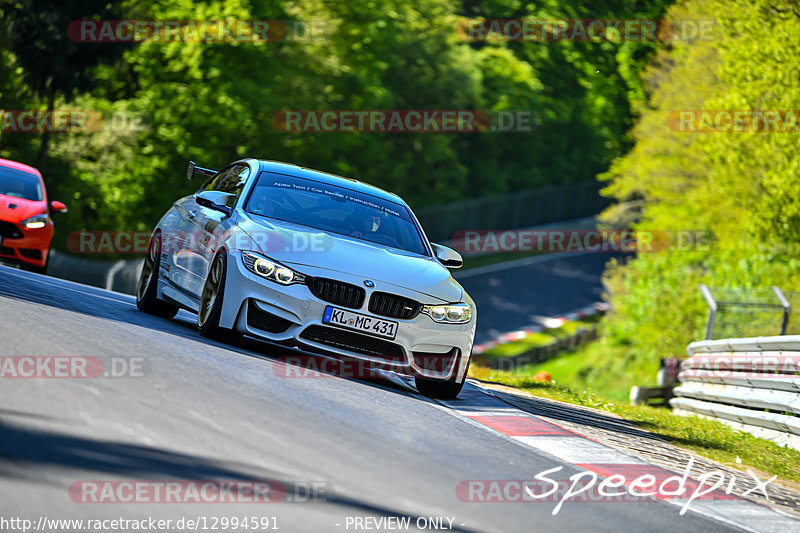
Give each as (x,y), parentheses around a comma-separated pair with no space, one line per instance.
(120,307)
(33,454)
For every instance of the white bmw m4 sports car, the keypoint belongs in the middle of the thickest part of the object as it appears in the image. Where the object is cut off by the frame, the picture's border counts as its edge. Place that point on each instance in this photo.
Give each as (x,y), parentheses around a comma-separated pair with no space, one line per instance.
(314,261)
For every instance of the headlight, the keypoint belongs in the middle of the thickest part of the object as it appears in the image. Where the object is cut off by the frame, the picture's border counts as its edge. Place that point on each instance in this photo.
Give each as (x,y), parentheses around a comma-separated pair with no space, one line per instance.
(36,221)
(449,314)
(271,270)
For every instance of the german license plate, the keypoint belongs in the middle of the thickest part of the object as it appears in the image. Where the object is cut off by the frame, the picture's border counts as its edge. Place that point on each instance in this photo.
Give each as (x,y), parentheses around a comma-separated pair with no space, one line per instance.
(359,322)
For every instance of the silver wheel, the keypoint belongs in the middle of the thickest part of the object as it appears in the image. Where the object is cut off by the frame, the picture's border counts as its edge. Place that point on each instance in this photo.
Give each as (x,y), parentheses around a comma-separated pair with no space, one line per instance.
(147,269)
(146,298)
(210,291)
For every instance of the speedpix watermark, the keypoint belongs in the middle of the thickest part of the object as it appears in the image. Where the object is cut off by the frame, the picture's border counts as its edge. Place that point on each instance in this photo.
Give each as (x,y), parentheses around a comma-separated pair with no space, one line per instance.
(405,121)
(194,31)
(72,366)
(203,492)
(582,30)
(631,483)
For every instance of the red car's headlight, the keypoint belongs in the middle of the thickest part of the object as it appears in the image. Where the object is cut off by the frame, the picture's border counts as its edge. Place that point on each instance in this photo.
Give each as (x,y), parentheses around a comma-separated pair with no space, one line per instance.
(36,221)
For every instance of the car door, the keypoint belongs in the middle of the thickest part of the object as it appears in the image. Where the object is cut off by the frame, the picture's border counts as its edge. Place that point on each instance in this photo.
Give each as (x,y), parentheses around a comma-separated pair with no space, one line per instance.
(183,243)
(211,225)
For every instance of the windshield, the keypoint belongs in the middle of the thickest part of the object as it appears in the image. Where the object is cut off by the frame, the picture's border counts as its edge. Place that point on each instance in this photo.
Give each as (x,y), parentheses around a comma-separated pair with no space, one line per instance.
(335,209)
(20,184)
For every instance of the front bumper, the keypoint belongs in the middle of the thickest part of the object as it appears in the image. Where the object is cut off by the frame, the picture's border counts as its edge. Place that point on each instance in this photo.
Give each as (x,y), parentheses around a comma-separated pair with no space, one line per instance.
(26,246)
(292,314)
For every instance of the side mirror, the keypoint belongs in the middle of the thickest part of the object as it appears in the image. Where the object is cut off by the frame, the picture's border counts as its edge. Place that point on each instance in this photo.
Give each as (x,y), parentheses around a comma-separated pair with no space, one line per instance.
(193,168)
(216,200)
(58,207)
(447,256)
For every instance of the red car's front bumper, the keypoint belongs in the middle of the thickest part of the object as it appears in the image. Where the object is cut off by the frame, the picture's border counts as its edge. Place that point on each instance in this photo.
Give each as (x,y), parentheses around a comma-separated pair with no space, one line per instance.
(25,246)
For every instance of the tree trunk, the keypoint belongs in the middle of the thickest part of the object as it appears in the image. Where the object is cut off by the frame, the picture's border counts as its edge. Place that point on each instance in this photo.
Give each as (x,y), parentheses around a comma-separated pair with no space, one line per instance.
(51,98)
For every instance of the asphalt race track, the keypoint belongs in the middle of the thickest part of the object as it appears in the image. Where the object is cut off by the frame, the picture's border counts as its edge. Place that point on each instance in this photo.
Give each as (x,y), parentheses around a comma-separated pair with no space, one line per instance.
(199,410)
(517,294)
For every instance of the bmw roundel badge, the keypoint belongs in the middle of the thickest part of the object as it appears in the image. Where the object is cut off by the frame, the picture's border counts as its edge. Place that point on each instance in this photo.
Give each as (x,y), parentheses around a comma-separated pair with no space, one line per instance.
(369,283)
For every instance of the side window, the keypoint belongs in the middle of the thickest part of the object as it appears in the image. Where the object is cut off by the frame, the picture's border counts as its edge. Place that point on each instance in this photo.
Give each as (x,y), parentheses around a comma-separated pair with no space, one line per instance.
(233,182)
(213,180)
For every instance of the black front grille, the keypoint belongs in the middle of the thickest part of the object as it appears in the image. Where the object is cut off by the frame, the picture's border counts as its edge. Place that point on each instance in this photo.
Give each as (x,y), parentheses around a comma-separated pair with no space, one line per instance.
(436,362)
(9,230)
(31,253)
(259,319)
(391,305)
(354,342)
(5,250)
(338,292)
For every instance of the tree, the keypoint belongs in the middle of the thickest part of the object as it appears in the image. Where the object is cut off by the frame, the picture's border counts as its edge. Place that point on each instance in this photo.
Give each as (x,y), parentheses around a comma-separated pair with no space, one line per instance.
(54,65)
(741,188)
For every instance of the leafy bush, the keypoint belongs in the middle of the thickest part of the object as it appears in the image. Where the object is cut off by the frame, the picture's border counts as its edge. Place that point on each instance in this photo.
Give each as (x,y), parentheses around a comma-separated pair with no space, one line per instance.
(742,188)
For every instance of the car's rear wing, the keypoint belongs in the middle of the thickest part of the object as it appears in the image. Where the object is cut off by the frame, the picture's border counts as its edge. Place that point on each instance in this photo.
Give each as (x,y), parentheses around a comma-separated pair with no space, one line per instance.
(193,168)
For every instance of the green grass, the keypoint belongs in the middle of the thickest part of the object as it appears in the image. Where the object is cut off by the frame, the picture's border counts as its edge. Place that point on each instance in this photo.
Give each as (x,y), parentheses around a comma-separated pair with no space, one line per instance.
(543,338)
(607,370)
(708,438)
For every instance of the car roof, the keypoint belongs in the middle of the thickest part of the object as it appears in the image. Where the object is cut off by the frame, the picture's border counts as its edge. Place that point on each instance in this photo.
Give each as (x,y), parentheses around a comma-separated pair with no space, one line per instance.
(19,166)
(325,177)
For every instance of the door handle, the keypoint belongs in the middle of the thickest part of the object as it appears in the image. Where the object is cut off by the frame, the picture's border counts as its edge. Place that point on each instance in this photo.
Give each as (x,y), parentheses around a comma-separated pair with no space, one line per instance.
(192,213)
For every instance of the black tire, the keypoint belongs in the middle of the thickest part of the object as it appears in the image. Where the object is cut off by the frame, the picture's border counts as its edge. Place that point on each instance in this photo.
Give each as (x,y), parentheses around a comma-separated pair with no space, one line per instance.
(443,390)
(146,299)
(211,303)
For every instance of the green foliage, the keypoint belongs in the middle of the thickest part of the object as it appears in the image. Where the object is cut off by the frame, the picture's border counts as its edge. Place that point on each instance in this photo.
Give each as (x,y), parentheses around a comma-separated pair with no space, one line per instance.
(741,188)
(215,102)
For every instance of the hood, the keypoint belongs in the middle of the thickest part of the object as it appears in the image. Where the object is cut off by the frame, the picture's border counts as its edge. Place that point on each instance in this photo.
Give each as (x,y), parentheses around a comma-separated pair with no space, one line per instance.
(301,247)
(25,208)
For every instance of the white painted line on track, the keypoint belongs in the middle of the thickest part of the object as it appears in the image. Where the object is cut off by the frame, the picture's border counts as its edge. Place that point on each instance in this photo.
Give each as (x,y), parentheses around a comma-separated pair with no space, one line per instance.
(580,450)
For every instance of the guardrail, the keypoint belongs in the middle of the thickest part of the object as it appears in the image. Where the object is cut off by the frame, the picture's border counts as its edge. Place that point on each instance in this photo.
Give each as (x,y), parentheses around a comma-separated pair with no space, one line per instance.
(539,354)
(519,209)
(120,276)
(752,384)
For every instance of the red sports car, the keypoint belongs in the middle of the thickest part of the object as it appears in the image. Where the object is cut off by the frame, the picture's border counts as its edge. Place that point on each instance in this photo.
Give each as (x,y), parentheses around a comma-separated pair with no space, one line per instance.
(26,227)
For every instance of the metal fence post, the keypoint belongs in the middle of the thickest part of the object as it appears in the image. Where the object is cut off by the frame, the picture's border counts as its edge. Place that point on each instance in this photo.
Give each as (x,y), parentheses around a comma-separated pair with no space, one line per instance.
(712,310)
(787,308)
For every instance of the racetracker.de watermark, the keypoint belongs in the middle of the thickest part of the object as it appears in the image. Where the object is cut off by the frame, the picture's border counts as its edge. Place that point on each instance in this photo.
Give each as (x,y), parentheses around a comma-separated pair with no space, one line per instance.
(197,31)
(405,121)
(734,121)
(313,367)
(195,491)
(69,121)
(548,241)
(583,30)
(763,365)
(137,242)
(72,366)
